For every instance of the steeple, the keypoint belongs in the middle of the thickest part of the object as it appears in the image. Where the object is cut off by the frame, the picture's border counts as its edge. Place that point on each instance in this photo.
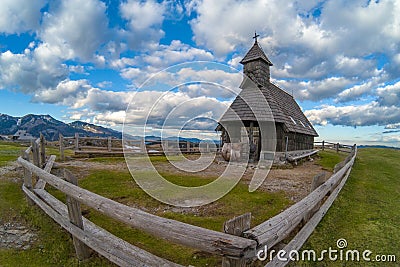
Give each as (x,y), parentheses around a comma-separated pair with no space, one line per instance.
(256,64)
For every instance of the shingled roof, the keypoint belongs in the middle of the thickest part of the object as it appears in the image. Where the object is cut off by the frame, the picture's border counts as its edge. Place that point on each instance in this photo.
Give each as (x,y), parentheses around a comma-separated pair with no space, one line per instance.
(255,53)
(250,104)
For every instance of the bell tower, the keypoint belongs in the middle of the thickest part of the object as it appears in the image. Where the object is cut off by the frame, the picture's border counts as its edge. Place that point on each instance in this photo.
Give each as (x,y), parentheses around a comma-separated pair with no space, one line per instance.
(256,64)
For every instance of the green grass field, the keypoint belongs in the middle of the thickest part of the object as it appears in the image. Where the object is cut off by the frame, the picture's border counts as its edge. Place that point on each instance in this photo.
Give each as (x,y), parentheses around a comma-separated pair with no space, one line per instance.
(366,213)
(9,152)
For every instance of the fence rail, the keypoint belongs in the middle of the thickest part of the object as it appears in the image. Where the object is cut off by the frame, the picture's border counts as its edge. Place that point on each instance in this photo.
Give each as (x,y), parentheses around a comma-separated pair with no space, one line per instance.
(333,146)
(97,146)
(277,228)
(237,245)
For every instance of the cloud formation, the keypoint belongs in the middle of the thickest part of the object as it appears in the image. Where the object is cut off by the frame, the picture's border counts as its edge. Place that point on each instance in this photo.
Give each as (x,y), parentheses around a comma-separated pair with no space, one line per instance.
(341,56)
(73,29)
(19,16)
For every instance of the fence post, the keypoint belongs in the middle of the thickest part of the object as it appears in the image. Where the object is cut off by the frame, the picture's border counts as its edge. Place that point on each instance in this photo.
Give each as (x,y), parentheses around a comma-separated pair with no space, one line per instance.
(42,150)
(316,182)
(35,153)
(76,141)
(75,217)
(61,141)
(337,148)
(28,183)
(187,146)
(142,145)
(323,145)
(109,144)
(236,226)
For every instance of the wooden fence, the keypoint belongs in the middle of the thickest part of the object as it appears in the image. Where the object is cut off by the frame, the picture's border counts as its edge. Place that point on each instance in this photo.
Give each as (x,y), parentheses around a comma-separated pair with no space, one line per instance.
(333,146)
(238,244)
(94,146)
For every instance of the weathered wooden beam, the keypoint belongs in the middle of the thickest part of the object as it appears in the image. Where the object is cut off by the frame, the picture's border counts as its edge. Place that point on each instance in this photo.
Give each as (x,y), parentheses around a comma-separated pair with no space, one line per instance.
(76,141)
(129,255)
(28,183)
(96,138)
(42,150)
(109,144)
(178,232)
(75,217)
(94,148)
(62,148)
(236,226)
(49,165)
(296,158)
(35,153)
(28,150)
(318,180)
(339,166)
(89,238)
(297,242)
(142,145)
(279,227)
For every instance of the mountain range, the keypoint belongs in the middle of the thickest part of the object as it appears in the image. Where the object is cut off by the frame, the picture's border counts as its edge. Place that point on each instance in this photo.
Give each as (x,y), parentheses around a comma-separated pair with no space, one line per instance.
(51,128)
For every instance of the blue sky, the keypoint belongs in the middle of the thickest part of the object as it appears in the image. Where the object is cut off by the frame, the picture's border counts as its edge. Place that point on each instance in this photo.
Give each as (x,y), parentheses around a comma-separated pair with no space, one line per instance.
(87,59)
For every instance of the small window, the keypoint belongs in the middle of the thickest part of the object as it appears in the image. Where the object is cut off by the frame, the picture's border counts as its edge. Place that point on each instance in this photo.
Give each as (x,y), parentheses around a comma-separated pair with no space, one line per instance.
(302,123)
(293,120)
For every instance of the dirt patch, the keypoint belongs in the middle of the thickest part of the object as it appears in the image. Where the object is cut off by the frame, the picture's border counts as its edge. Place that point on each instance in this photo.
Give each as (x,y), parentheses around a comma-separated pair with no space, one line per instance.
(16,235)
(294,181)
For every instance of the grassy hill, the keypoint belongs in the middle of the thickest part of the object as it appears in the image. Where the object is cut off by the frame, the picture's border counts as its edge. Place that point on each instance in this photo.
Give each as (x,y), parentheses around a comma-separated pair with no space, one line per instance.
(366,214)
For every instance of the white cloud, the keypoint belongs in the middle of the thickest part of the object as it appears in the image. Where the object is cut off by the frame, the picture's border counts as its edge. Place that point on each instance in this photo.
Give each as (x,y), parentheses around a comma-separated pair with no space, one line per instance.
(122,63)
(18,16)
(235,61)
(102,100)
(362,27)
(176,52)
(74,29)
(154,61)
(152,108)
(173,110)
(144,22)
(355,115)
(66,93)
(393,126)
(315,90)
(104,84)
(77,69)
(342,41)
(194,78)
(357,91)
(30,72)
(389,95)
(354,92)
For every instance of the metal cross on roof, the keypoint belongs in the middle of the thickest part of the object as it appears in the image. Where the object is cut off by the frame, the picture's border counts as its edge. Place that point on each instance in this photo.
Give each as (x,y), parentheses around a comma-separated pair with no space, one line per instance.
(255,36)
